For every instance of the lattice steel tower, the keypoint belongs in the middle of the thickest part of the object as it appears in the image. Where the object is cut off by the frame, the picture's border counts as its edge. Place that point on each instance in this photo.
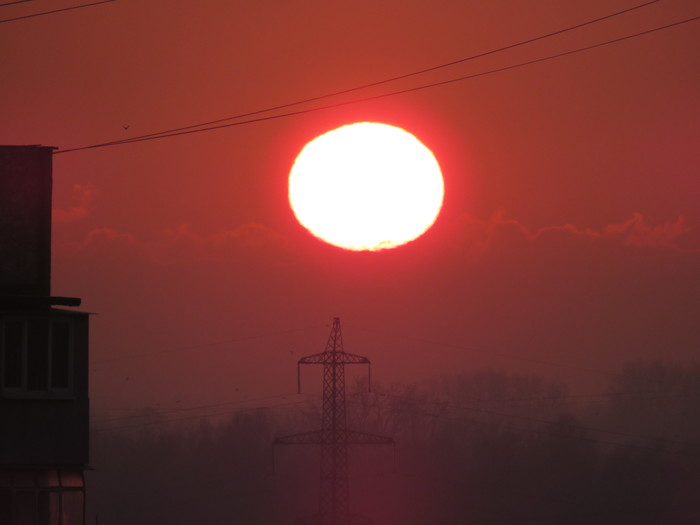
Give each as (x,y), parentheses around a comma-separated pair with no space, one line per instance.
(334,437)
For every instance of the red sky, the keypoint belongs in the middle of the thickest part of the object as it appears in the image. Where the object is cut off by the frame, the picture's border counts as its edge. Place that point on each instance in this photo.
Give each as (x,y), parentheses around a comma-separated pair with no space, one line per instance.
(569,242)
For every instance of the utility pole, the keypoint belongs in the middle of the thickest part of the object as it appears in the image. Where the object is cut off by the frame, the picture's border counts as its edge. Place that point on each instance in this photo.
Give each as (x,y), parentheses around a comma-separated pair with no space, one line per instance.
(334,437)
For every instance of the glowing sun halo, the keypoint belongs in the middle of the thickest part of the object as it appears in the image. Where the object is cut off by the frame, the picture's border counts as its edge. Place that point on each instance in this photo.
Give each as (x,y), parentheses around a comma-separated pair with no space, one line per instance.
(366,186)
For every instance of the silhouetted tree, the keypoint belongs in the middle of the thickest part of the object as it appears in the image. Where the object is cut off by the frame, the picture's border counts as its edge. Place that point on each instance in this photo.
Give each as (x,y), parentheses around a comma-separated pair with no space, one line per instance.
(471,448)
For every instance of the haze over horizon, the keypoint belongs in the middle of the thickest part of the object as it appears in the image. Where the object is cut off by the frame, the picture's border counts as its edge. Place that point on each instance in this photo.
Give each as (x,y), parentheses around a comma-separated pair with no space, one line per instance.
(568,244)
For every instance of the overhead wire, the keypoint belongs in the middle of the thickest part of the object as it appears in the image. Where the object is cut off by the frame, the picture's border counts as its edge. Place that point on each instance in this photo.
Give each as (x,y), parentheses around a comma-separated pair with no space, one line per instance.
(494,354)
(553,397)
(203,345)
(98,362)
(383,95)
(141,414)
(54,11)
(438,416)
(202,416)
(15,2)
(402,91)
(556,397)
(547,422)
(485,520)
(557,518)
(312,398)
(544,421)
(203,407)
(387,80)
(187,130)
(415,410)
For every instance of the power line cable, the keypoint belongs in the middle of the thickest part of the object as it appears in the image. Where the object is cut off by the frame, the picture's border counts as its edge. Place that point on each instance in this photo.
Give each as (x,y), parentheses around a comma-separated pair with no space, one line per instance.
(202,416)
(203,407)
(620,395)
(548,433)
(438,416)
(481,352)
(389,94)
(16,2)
(203,345)
(626,395)
(387,80)
(283,332)
(541,421)
(54,11)
(558,518)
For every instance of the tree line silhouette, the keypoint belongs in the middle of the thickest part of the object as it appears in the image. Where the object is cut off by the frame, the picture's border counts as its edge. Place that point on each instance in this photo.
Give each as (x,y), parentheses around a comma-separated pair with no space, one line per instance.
(484,447)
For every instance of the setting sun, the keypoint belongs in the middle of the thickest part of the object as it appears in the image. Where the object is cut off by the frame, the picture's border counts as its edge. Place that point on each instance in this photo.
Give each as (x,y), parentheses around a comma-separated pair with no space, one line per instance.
(366,187)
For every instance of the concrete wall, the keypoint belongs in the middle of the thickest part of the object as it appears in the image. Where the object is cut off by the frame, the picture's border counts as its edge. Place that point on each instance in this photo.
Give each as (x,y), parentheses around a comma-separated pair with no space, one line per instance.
(25,220)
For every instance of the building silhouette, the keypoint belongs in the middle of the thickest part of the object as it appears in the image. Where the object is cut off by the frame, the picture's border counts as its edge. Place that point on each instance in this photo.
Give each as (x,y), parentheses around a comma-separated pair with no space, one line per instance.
(44,405)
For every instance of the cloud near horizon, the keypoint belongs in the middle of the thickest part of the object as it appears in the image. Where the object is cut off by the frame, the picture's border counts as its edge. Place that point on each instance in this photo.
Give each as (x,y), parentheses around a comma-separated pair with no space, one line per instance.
(85,195)
(182,245)
(497,232)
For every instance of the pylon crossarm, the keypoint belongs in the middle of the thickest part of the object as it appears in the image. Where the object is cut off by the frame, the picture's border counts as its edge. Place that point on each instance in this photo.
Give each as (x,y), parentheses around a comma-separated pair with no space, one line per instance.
(363,438)
(348,519)
(353,359)
(329,357)
(315,359)
(304,438)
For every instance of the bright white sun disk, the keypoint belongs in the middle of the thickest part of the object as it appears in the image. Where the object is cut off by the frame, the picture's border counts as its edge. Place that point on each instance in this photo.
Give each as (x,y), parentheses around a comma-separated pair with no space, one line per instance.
(366,186)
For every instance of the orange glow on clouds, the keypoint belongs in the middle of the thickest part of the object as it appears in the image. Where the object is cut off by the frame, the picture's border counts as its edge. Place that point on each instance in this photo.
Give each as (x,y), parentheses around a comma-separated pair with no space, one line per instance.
(366,186)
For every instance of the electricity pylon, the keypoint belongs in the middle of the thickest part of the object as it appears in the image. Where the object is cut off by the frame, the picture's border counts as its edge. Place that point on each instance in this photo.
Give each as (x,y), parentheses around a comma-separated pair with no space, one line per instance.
(334,437)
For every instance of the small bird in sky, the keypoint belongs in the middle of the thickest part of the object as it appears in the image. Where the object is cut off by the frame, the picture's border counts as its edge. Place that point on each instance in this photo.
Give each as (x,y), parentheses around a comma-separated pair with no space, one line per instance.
(126,127)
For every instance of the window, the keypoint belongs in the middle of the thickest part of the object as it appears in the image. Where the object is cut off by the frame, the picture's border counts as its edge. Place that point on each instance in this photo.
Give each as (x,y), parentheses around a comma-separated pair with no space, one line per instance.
(42,497)
(35,356)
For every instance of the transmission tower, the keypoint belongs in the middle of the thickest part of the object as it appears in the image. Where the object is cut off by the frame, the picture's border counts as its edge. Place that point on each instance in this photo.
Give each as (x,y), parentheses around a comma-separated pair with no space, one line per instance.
(334,436)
